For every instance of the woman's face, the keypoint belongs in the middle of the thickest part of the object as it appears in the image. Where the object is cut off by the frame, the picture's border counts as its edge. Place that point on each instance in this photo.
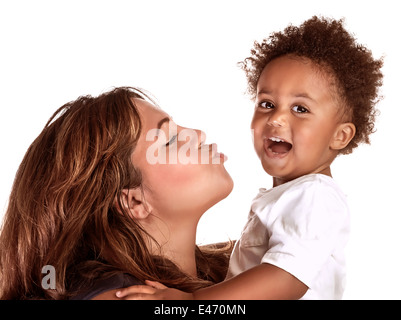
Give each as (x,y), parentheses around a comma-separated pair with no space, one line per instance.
(182,176)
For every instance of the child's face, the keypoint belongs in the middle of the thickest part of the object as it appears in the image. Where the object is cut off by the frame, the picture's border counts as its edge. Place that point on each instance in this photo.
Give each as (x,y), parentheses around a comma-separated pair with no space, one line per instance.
(295,119)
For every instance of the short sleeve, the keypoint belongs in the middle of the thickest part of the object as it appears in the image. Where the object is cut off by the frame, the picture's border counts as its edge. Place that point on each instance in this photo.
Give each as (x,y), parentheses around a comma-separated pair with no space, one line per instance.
(306,225)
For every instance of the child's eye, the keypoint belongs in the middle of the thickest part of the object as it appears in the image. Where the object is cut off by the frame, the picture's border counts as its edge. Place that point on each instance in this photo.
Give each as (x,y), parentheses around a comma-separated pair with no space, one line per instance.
(171,140)
(266,105)
(299,109)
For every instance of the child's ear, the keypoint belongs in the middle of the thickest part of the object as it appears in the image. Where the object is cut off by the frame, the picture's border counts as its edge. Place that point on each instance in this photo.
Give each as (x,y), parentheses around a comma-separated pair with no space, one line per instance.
(133,202)
(343,135)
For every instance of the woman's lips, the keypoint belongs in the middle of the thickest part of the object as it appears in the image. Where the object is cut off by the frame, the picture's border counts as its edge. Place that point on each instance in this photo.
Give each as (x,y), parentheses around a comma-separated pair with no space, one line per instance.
(217,157)
(217,154)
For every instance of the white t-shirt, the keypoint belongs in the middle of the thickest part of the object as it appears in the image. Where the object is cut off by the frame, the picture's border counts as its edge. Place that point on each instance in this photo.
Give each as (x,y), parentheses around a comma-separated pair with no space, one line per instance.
(301,226)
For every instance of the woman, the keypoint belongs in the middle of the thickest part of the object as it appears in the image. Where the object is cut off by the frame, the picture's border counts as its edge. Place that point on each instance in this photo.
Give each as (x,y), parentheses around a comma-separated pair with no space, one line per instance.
(90,201)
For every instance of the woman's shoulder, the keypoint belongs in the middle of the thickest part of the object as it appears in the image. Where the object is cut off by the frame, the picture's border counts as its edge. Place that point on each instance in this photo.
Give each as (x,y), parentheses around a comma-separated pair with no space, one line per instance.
(106,288)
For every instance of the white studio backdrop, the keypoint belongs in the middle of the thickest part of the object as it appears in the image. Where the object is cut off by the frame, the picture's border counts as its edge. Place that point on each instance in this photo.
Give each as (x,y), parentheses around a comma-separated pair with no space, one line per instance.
(185,53)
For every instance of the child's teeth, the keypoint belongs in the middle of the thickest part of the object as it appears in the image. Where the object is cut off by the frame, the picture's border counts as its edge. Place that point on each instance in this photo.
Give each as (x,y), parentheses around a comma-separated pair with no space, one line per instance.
(276,139)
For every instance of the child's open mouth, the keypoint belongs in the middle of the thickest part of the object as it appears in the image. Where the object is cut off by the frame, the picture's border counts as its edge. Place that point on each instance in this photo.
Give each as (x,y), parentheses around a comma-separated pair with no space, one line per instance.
(277,146)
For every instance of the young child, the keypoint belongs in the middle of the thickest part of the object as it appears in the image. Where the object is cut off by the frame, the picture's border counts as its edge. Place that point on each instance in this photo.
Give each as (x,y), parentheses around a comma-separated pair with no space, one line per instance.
(315,90)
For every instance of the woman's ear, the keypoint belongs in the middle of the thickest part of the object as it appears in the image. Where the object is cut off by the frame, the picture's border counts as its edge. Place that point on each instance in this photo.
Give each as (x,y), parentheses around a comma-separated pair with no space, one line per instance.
(133,202)
(343,135)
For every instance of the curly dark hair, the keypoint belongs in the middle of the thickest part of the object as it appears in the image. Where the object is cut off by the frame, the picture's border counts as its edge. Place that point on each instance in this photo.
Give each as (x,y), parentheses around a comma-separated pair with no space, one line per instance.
(324,41)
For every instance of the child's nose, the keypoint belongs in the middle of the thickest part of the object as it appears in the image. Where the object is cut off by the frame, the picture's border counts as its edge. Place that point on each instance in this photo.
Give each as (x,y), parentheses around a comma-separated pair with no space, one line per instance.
(275,123)
(277,120)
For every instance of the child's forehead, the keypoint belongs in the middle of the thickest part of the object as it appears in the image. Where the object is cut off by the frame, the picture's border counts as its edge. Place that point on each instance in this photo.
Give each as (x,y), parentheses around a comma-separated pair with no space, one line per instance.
(299,77)
(303,63)
(299,68)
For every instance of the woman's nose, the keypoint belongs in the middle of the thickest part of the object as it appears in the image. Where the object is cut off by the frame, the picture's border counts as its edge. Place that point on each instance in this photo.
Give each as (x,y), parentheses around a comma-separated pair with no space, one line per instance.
(196,136)
(201,136)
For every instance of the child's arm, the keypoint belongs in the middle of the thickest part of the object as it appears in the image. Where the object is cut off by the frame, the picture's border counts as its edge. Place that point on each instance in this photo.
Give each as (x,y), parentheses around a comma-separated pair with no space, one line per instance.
(264,281)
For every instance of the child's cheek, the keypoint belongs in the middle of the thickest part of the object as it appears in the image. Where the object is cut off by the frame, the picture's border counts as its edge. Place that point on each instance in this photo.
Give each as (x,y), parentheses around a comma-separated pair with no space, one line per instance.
(257,140)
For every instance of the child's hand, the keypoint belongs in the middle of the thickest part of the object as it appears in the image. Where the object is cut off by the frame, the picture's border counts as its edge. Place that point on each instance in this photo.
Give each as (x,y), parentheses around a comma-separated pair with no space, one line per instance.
(152,291)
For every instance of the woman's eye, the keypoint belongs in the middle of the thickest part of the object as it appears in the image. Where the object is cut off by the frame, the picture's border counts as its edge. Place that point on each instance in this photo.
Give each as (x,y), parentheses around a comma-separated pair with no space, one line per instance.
(171,140)
(266,105)
(299,109)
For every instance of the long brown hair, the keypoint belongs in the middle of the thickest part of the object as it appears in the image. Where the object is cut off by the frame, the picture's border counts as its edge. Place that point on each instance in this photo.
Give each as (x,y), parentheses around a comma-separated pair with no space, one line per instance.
(62,213)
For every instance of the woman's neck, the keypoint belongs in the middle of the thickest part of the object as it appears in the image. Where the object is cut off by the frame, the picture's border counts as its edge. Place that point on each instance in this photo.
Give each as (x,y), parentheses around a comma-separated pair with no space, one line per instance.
(184,258)
(177,242)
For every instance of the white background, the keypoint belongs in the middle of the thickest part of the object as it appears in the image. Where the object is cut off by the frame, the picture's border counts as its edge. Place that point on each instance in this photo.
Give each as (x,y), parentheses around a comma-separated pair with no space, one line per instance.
(185,53)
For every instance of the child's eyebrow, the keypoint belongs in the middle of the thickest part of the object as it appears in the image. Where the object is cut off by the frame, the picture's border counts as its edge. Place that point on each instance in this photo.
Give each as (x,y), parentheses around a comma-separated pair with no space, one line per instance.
(263,91)
(296,95)
(304,95)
